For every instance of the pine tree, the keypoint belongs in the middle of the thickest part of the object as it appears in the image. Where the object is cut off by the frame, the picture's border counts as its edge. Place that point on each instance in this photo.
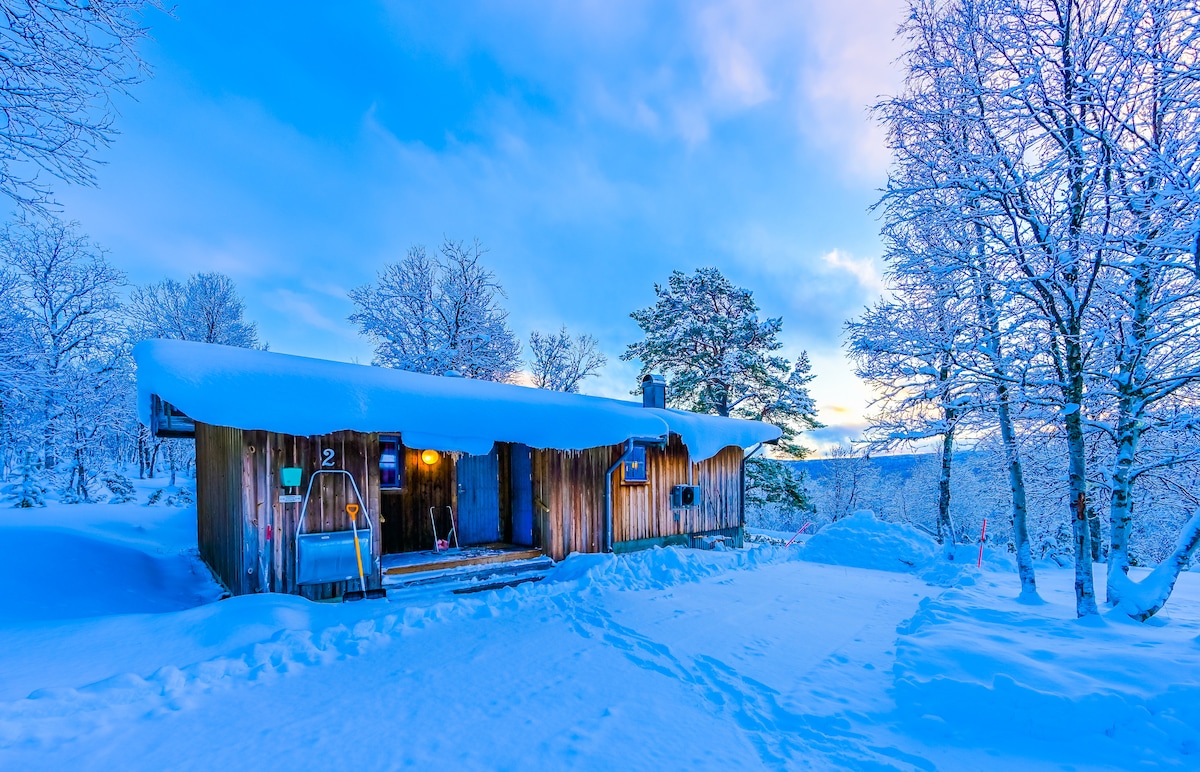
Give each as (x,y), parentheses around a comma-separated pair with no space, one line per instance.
(776,488)
(120,489)
(704,335)
(29,490)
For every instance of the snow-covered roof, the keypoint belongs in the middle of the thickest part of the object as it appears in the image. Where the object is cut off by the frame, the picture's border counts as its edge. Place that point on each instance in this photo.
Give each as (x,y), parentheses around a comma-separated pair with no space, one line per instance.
(249,389)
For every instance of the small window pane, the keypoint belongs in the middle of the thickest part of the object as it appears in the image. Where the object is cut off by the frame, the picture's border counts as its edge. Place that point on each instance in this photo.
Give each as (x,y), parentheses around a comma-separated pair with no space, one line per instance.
(391,466)
(634,468)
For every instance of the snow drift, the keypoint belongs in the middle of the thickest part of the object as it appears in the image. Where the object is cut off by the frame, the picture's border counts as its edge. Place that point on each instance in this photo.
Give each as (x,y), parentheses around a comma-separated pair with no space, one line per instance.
(64,574)
(861,541)
(251,389)
(973,671)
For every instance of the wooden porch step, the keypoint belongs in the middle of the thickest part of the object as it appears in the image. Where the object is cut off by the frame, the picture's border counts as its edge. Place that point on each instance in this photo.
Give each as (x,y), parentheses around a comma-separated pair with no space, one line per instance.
(476,576)
(445,562)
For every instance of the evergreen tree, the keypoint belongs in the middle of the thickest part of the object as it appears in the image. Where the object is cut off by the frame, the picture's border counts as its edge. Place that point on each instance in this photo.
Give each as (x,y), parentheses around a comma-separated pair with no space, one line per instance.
(704,335)
(776,488)
(120,489)
(28,491)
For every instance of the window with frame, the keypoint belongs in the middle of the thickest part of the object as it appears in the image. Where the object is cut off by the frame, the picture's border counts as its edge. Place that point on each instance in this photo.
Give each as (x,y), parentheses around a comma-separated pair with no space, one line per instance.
(634,469)
(391,463)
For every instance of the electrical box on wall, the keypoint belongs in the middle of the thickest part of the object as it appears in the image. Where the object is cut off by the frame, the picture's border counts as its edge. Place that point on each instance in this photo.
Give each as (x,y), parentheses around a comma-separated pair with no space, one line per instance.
(685,496)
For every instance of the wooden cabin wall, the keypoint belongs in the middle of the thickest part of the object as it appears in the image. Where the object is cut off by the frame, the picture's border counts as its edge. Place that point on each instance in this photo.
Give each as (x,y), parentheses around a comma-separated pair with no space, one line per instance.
(407,510)
(569,496)
(219,503)
(270,527)
(248,537)
(643,511)
(568,492)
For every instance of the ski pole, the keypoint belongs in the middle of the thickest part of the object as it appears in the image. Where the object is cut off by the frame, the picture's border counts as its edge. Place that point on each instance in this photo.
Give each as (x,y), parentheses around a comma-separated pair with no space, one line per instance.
(797,535)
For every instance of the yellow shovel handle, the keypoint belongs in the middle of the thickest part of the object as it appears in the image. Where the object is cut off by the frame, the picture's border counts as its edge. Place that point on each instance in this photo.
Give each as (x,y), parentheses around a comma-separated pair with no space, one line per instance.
(357,552)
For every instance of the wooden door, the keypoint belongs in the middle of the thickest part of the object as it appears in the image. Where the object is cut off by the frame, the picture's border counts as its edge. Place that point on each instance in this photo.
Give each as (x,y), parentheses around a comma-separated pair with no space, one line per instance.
(521,482)
(478,499)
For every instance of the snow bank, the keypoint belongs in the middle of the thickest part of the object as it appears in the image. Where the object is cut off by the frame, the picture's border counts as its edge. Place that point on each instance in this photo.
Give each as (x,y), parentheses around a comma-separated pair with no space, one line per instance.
(974,670)
(862,541)
(54,573)
(249,389)
(657,568)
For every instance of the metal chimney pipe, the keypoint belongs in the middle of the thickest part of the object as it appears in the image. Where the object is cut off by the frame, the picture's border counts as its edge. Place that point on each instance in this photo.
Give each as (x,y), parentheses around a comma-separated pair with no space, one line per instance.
(654,391)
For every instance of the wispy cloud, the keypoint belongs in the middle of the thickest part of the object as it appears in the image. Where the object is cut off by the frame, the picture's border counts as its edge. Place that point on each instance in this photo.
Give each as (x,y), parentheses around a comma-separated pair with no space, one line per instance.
(863,269)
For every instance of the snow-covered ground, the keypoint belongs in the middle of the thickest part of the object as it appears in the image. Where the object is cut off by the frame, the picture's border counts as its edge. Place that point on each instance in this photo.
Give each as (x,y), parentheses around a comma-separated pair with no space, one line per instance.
(115,655)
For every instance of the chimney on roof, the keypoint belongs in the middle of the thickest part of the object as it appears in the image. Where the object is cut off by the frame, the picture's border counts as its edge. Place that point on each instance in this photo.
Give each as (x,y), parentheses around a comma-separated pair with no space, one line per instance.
(654,391)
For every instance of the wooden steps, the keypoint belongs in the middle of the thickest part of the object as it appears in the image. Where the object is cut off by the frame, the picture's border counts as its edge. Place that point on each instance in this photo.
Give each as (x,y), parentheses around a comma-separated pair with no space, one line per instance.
(472,569)
(446,561)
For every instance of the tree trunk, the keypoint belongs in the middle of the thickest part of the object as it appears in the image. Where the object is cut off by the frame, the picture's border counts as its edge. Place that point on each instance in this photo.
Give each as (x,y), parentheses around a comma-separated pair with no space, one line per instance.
(1020,507)
(946,533)
(154,458)
(1142,600)
(990,320)
(1129,429)
(1085,592)
(141,452)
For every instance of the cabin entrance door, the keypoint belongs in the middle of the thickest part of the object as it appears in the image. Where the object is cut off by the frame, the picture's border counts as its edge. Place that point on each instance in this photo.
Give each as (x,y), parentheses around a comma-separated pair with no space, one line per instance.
(478,499)
(521,474)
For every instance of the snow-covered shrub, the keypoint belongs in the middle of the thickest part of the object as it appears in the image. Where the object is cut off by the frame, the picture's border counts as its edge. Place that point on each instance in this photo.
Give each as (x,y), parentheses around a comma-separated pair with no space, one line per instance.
(120,488)
(181,498)
(155,497)
(28,491)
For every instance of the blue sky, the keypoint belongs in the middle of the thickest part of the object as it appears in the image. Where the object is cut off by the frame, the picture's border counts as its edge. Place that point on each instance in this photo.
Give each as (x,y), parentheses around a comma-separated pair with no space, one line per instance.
(592,146)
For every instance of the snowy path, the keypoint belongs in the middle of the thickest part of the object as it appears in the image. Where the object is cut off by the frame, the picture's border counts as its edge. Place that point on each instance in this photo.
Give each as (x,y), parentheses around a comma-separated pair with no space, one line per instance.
(658,660)
(714,672)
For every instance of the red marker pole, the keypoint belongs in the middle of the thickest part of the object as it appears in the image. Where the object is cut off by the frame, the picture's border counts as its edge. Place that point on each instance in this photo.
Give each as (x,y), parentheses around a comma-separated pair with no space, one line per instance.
(982,538)
(797,535)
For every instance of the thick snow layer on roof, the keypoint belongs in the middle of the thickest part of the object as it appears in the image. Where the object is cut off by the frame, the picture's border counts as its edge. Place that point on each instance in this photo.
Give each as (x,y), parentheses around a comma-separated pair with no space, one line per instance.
(250,389)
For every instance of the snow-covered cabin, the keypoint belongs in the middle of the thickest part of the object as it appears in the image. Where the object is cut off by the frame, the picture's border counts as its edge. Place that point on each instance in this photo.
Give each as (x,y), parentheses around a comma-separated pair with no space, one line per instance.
(518,472)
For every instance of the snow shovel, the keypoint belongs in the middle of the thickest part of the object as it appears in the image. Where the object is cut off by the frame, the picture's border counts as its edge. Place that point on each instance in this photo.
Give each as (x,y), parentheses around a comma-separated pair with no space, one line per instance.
(362,591)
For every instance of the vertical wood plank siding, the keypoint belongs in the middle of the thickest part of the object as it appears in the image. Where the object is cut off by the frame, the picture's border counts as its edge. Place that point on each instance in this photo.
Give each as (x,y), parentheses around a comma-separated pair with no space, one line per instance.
(219,503)
(569,496)
(273,524)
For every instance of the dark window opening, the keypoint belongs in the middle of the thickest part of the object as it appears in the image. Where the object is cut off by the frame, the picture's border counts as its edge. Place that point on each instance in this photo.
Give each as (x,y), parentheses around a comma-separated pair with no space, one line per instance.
(391,463)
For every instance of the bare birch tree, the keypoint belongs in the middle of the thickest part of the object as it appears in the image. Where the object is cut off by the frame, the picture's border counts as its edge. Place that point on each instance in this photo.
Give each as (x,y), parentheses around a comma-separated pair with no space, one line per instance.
(438,314)
(560,362)
(62,63)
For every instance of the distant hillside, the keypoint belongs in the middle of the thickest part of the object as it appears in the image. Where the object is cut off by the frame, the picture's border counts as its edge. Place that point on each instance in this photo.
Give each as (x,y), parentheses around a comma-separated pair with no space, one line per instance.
(887,466)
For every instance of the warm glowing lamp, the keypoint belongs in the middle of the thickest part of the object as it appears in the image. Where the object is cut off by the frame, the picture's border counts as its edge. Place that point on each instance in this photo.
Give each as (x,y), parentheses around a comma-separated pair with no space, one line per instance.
(429,457)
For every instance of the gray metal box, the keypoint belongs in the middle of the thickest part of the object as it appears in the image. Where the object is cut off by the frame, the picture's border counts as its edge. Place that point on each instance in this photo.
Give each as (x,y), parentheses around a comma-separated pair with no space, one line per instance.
(330,557)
